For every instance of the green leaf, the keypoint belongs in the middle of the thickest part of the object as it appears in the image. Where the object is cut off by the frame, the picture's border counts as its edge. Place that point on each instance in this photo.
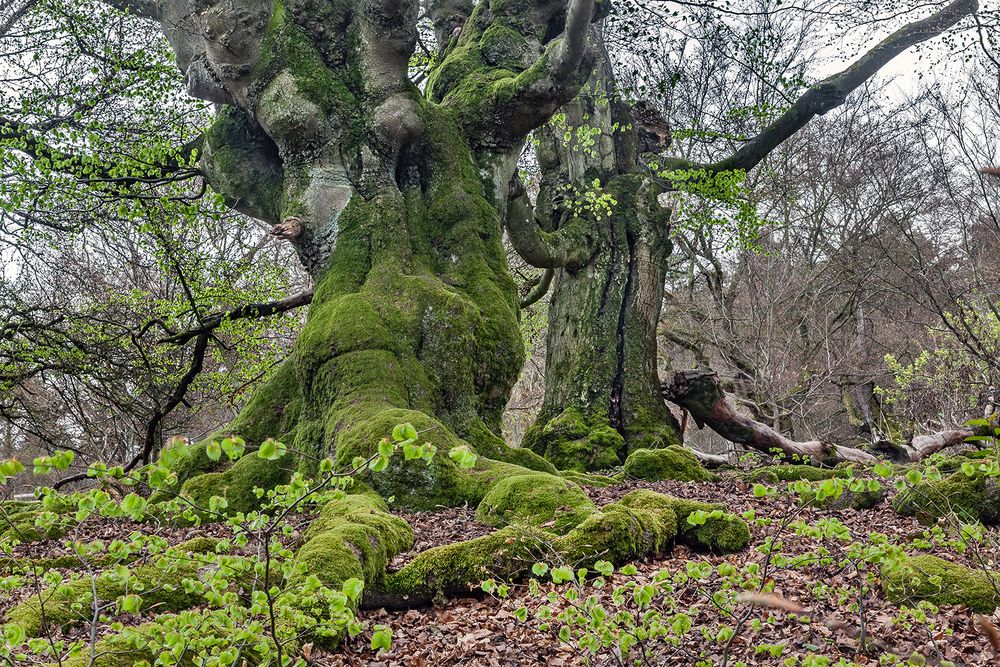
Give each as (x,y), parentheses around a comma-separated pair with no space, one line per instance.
(14,634)
(463,456)
(213,450)
(271,450)
(381,638)
(352,588)
(539,569)
(129,604)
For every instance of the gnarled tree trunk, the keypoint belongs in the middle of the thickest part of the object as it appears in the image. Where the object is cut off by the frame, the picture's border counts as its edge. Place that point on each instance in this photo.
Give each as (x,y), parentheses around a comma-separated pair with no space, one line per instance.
(602,398)
(601,386)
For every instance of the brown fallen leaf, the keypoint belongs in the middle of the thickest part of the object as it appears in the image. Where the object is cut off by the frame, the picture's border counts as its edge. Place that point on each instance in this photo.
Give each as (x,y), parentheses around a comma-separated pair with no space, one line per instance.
(988,628)
(770,600)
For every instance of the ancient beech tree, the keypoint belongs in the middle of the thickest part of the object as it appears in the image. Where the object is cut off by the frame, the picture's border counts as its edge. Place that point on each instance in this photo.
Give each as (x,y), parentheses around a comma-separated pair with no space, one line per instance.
(602,396)
(393,199)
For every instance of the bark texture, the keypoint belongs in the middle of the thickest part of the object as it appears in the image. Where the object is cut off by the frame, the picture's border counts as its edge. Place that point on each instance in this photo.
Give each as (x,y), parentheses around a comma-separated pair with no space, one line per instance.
(601,387)
(392,199)
(602,396)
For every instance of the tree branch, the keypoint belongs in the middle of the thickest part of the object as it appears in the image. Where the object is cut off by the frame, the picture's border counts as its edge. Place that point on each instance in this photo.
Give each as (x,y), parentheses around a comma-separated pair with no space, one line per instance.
(246,311)
(540,290)
(833,91)
(570,247)
(569,51)
(700,393)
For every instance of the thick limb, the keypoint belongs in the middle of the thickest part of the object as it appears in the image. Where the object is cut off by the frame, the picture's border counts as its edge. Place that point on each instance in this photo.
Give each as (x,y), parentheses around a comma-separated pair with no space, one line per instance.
(832,91)
(700,393)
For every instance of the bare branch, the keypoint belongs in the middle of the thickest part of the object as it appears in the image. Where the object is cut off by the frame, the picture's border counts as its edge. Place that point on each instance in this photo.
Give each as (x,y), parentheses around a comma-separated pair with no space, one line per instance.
(246,311)
(833,91)
(540,290)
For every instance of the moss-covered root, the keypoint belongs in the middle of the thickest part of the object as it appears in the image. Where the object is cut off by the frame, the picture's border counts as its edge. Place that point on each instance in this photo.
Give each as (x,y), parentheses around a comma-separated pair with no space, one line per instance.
(571,441)
(353,538)
(237,483)
(971,498)
(673,462)
(940,582)
(723,533)
(794,472)
(642,523)
(158,585)
(541,500)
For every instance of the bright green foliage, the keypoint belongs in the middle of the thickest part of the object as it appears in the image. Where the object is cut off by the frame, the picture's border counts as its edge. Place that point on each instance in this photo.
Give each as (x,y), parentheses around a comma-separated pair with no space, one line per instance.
(159,586)
(940,582)
(715,530)
(540,500)
(672,462)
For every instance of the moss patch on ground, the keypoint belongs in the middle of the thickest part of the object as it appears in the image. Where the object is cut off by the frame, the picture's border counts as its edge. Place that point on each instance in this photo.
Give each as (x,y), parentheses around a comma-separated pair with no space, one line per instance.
(938,581)
(974,498)
(159,586)
(643,523)
(536,499)
(572,441)
(674,462)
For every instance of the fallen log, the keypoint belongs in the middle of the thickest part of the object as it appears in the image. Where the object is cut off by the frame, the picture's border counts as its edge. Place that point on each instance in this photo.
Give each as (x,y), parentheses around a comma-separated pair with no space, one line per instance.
(700,392)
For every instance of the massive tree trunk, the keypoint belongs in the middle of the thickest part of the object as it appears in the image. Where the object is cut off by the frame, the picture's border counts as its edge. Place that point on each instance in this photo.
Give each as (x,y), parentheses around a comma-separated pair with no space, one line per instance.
(602,395)
(392,199)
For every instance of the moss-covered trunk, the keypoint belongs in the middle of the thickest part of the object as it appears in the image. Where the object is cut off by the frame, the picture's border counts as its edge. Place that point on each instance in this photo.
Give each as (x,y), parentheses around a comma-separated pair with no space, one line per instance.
(602,393)
(414,320)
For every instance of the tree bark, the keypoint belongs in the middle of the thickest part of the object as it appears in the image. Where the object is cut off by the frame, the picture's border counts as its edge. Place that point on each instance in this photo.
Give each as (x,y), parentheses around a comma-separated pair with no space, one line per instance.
(700,393)
(601,386)
(392,199)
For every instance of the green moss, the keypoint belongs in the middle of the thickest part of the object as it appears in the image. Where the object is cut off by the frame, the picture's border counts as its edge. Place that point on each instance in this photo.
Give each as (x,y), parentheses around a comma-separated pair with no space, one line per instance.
(503,46)
(537,500)
(971,498)
(795,472)
(672,462)
(353,537)
(590,479)
(938,581)
(462,566)
(72,603)
(858,500)
(111,651)
(199,545)
(621,532)
(572,441)
(723,534)
(237,483)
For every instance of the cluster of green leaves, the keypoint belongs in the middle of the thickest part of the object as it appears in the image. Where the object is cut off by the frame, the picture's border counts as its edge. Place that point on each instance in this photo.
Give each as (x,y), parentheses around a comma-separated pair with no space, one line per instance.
(592,202)
(714,202)
(954,373)
(249,609)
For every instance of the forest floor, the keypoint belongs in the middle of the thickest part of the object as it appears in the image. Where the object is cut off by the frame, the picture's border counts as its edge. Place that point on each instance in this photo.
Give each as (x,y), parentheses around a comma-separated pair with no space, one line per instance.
(483,630)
